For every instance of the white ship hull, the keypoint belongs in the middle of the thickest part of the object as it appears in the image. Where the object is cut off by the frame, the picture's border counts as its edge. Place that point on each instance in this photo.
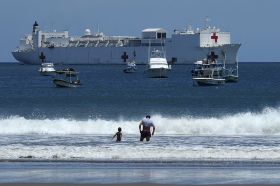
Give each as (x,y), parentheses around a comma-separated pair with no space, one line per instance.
(112,55)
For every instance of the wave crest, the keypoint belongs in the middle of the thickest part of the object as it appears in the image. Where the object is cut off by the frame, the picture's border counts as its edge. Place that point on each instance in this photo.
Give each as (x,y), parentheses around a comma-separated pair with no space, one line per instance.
(266,122)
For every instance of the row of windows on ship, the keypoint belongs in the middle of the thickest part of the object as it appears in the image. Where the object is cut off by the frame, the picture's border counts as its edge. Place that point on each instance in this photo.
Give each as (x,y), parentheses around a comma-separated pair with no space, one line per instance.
(105,44)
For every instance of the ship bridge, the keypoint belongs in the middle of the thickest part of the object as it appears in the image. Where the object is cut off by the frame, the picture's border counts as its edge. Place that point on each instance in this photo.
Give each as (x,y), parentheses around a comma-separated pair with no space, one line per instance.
(154,33)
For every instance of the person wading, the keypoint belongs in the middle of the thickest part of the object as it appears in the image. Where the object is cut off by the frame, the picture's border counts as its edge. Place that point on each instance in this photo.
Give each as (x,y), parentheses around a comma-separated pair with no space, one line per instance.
(145,128)
(119,135)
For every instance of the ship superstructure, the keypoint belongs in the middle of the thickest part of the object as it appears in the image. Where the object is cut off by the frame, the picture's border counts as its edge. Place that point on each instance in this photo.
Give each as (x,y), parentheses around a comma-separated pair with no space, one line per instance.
(183,47)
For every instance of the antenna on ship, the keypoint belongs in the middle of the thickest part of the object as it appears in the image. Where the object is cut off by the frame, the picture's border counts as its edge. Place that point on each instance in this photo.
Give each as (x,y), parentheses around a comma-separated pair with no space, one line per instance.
(149,50)
(66,27)
(35,27)
(207,20)
(52,26)
(162,47)
(236,60)
(225,58)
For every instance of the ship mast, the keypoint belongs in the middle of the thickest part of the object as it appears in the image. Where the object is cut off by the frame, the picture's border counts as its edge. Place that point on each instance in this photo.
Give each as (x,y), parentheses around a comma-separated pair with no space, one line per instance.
(206,21)
(149,50)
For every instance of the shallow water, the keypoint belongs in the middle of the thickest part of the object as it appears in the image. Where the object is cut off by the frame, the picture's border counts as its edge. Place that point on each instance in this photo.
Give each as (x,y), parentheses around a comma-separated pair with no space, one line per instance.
(162,173)
(162,148)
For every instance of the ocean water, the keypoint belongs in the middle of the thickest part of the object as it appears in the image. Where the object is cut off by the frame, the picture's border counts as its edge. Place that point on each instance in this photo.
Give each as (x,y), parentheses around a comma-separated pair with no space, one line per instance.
(232,129)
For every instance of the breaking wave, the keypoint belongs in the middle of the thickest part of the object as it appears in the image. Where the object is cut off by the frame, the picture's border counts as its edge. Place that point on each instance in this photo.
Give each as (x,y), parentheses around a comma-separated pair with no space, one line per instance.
(266,122)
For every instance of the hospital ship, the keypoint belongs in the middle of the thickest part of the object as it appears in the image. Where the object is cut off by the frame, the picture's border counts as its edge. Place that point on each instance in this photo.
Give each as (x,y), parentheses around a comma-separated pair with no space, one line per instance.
(182,47)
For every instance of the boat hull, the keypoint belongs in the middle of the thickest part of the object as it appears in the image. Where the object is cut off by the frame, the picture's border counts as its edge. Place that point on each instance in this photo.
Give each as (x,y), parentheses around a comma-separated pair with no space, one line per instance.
(158,73)
(129,70)
(231,79)
(209,81)
(47,73)
(67,84)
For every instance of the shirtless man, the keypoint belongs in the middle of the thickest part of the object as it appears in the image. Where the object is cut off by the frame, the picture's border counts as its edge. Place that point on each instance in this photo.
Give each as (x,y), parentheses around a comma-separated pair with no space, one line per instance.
(144,128)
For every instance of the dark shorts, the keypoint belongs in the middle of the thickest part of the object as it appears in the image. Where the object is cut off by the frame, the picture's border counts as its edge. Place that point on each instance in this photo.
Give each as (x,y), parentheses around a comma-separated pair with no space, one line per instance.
(145,134)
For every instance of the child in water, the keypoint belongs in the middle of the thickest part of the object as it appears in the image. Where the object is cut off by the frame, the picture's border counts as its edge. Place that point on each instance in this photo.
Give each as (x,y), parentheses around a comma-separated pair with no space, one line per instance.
(119,135)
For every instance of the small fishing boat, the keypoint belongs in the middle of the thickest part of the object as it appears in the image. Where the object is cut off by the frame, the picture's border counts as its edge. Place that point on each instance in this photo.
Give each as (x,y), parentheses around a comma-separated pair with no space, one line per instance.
(67,78)
(208,72)
(130,67)
(47,69)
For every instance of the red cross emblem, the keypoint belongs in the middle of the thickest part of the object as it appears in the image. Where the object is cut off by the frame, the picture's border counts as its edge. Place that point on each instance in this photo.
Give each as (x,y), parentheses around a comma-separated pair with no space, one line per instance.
(215,37)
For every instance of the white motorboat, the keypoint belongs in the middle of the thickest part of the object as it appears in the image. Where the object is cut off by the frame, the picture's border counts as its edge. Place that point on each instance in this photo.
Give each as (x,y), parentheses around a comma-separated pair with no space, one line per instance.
(208,72)
(67,78)
(158,66)
(47,69)
(130,67)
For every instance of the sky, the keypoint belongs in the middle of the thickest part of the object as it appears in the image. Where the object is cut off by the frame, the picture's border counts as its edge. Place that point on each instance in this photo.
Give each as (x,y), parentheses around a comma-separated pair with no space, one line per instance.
(253,23)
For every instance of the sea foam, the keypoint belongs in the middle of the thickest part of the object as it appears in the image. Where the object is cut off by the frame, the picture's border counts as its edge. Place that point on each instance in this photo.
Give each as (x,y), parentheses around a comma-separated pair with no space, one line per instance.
(266,122)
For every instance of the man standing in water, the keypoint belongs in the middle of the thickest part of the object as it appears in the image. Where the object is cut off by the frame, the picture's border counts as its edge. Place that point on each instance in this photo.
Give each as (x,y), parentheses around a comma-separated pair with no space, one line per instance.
(145,130)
